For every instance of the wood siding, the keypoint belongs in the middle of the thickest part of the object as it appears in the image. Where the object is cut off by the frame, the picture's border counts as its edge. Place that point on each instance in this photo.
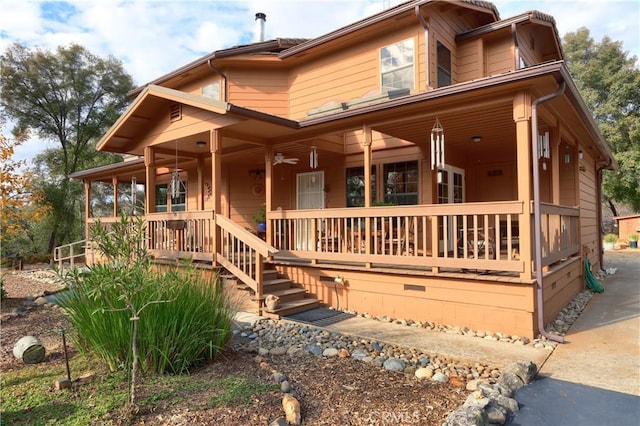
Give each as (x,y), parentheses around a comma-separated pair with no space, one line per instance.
(499,56)
(262,90)
(507,308)
(589,226)
(470,63)
(560,287)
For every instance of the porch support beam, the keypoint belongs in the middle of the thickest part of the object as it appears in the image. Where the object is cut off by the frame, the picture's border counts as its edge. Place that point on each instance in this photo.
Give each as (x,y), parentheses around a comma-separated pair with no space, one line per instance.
(87,206)
(268,189)
(114,182)
(522,117)
(150,171)
(216,185)
(557,155)
(200,200)
(368,139)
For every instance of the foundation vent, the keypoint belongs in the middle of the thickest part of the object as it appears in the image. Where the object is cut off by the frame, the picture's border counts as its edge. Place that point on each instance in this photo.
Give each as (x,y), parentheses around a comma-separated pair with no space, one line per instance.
(413,287)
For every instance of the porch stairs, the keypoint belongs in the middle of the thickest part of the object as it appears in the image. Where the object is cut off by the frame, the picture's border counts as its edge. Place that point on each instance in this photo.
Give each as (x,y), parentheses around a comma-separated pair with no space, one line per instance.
(293,298)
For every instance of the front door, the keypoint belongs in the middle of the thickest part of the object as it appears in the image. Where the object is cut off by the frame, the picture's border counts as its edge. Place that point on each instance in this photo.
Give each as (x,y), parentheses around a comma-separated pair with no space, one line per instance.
(309,195)
(450,190)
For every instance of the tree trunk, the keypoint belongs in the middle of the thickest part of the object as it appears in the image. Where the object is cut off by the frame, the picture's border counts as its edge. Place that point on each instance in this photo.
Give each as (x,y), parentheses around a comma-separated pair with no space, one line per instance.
(134,364)
(52,240)
(612,207)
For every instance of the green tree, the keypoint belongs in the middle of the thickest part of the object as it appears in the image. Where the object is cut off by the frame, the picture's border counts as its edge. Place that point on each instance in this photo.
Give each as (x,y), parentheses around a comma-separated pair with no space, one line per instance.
(71,97)
(609,81)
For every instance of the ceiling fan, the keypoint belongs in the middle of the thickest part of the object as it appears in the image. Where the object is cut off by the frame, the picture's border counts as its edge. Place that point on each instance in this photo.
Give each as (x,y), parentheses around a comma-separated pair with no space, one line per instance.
(279,158)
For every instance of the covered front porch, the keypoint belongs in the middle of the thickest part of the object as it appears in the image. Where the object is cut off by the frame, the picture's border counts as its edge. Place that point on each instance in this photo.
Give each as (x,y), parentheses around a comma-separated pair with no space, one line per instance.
(370,223)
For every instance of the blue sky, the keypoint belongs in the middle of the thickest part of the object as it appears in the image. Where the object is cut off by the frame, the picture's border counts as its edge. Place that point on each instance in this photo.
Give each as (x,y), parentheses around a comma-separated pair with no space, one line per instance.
(153,37)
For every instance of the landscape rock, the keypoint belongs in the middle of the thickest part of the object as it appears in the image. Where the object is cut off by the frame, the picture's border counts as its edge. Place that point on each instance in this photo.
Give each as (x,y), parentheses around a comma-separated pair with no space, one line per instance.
(285,386)
(330,352)
(394,364)
(280,350)
(424,373)
(440,377)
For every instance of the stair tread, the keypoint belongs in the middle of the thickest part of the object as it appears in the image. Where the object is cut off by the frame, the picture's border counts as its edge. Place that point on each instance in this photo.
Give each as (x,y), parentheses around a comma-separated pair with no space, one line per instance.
(292,290)
(277,281)
(294,304)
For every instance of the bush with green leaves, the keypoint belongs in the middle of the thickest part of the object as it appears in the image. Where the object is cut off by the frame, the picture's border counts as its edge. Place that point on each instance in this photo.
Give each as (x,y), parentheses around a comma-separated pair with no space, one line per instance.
(191,327)
(130,311)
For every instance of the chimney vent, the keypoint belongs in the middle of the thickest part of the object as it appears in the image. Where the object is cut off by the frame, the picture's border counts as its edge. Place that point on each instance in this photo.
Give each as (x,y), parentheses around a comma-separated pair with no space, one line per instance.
(261,18)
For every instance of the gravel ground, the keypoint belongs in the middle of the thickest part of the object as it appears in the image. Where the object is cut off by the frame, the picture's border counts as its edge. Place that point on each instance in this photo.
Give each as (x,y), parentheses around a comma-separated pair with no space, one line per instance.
(331,391)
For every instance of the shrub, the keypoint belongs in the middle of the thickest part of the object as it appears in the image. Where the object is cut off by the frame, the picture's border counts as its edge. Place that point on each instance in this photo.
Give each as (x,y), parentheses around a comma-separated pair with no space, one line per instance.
(610,238)
(191,325)
(633,237)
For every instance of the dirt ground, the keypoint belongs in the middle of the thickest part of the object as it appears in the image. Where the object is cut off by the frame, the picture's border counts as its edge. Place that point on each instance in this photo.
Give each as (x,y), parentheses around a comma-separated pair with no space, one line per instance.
(331,391)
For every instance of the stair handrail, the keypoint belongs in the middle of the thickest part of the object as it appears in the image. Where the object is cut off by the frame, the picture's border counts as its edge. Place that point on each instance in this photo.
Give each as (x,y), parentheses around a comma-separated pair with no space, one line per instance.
(60,258)
(245,271)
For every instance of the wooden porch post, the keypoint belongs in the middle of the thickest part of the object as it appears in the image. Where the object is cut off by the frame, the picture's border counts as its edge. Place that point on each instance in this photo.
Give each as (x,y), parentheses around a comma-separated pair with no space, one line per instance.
(114,181)
(200,199)
(150,171)
(368,139)
(268,189)
(87,207)
(522,118)
(557,155)
(216,184)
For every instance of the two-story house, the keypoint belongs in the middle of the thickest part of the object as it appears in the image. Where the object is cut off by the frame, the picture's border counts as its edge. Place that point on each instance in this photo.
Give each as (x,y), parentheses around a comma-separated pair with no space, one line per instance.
(436,159)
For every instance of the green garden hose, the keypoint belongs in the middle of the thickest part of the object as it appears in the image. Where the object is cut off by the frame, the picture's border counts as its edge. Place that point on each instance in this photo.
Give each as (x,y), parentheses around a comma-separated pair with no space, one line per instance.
(592,283)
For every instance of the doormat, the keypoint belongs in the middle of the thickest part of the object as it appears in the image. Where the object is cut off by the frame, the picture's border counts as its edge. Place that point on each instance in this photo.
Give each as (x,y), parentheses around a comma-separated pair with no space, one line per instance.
(320,317)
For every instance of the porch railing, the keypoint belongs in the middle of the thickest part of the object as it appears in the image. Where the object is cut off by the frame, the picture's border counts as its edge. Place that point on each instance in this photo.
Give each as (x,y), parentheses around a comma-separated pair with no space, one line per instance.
(560,232)
(474,236)
(181,235)
(72,253)
(203,235)
(242,253)
(463,236)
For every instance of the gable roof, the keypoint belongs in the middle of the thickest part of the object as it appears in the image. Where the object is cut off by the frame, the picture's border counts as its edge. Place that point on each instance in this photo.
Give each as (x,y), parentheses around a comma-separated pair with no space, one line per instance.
(286,47)
(533,16)
(379,17)
(270,46)
(133,119)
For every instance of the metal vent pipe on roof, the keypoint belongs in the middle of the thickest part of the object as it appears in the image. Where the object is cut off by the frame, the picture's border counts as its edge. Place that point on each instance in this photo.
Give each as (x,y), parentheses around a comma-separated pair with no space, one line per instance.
(261,18)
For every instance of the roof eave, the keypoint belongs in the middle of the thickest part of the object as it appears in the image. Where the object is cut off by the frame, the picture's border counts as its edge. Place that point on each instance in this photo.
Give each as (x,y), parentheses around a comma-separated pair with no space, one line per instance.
(379,17)
(223,53)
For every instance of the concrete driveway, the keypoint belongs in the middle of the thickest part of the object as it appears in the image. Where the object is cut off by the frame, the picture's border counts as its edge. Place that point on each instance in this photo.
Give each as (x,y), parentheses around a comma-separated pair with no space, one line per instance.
(594,378)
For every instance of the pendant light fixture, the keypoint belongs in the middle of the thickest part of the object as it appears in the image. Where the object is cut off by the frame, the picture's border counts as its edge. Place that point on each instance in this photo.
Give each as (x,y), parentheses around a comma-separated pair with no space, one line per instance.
(313,158)
(437,146)
(176,183)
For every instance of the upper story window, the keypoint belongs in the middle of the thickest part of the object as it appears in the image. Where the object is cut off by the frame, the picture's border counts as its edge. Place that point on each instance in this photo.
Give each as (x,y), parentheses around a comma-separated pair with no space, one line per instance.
(396,65)
(212,91)
(444,65)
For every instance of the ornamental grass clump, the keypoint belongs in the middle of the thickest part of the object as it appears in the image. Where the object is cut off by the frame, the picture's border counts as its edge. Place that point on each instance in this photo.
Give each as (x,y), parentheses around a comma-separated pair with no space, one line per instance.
(133,314)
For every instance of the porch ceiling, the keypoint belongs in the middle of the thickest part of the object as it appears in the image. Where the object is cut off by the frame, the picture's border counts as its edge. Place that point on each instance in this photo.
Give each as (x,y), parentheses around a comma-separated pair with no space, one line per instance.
(494,125)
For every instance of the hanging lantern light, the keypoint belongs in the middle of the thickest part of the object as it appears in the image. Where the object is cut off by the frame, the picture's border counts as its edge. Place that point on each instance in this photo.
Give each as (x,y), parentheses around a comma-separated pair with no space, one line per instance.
(176,184)
(313,158)
(437,146)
